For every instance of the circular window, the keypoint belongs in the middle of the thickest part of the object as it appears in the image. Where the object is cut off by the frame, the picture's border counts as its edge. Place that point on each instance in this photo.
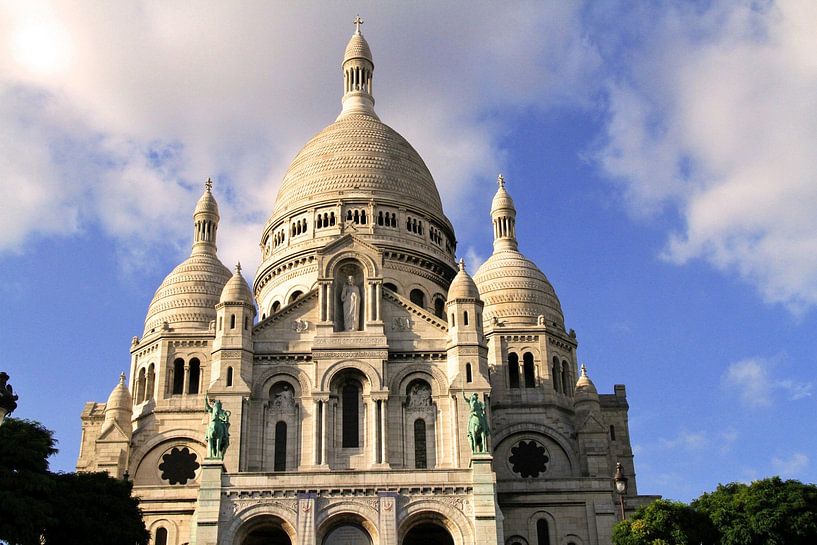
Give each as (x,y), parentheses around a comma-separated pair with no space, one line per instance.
(529,458)
(179,465)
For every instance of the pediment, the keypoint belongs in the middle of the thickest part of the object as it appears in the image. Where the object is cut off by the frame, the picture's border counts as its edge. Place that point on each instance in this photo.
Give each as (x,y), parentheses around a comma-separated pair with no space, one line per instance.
(292,322)
(112,432)
(591,424)
(348,241)
(403,320)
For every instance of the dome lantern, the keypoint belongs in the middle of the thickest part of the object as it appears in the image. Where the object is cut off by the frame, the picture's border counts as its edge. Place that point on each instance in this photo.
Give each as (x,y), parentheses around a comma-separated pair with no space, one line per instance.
(503,215)
(358,70)
(205,221)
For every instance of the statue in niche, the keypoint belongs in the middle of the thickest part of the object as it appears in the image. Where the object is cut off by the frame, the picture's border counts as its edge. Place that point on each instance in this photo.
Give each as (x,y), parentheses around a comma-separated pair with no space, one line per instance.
(284,399)
(350,297)
(419,396)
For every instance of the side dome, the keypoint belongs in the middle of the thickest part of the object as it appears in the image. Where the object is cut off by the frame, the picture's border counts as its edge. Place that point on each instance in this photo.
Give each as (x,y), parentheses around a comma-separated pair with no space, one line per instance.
(187,297)
(463,286)
(358,156)
(189,294)
(236,289)
(514,290)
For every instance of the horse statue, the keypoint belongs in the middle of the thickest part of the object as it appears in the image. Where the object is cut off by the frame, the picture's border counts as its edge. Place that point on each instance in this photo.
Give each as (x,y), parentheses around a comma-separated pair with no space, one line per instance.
(477,425)
(218,429)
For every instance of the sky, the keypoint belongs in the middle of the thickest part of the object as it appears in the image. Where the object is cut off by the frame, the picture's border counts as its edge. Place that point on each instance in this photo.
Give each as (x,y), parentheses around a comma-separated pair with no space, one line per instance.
(662,157)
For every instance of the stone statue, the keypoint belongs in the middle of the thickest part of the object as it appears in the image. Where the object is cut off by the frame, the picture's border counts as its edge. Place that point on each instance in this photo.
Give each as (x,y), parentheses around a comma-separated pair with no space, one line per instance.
(419,397)
(284,399)
(218,429)
(350,297)
(8,399)
(477,424)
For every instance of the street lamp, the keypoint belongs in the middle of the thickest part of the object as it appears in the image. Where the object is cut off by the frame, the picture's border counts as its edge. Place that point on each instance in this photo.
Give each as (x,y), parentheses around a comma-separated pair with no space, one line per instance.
(8,400)
(620,482)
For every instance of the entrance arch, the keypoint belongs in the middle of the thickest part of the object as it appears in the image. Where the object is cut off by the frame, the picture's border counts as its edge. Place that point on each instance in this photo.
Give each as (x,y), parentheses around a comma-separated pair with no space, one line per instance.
(347,534)
(265,530)
(428,533)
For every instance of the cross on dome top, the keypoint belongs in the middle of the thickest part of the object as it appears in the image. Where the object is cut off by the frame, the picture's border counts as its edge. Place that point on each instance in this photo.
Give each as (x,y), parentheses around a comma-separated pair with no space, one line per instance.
(208,185)
(500,180)
(357,22)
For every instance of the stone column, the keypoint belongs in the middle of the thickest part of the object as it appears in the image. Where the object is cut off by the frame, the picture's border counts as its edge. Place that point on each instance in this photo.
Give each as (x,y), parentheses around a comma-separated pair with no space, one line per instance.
(374,430)
(186,386)
(324,431)
(378,300)
(306,519)
(388,518)
(384,432)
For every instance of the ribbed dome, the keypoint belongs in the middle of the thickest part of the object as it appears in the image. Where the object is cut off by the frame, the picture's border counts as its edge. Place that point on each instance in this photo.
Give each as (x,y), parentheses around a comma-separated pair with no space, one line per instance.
(361,157)
(502,199)
(236,290)
(120,397)
(189,294)
(463,287)
(358,48)
(207,203)
(515,291)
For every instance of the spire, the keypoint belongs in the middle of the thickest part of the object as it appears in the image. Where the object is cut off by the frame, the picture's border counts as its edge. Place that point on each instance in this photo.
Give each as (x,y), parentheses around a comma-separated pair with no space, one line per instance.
(358,68)
(503,216)
(205,221)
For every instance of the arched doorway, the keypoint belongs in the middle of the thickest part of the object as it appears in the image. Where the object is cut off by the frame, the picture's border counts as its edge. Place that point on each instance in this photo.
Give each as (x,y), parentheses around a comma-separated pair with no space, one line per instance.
(428,533)
(267,535)
(347,534)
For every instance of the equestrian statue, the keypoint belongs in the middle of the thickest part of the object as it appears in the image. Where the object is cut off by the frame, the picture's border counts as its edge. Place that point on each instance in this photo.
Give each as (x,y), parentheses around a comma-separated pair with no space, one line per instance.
(477,425)
(218,429)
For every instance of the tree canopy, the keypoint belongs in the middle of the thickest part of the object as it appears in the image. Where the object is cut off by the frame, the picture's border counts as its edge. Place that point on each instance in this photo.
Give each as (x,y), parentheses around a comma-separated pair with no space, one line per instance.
(63,508)
(766,512)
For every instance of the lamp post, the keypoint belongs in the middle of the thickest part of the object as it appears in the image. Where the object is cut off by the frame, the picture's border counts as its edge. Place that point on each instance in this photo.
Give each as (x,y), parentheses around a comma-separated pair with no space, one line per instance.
(620,483)
(8,401)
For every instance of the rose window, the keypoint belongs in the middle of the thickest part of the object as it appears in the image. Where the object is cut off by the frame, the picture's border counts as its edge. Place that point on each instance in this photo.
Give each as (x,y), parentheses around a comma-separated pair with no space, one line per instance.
(179,465)
(529,459)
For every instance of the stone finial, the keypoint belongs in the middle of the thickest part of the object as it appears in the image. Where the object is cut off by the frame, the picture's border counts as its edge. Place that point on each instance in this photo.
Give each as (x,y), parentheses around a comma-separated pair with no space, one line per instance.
(584,370)
(500,180)
(122,378)
(238,267)
(462,264)
(357,22)
(208,185)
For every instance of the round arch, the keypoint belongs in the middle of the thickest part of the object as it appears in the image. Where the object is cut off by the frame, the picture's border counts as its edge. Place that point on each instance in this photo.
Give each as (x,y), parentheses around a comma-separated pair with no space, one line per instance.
(347,513)
(435,377)
(370,267)
(139,455)
(259,516)
(431,511)
(546,431)
(375,381)
(293,376)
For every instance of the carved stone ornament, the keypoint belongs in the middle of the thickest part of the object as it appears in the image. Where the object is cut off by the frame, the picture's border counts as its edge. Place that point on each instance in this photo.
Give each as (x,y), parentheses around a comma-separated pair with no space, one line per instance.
(419,397)
(299,326)
(401,323)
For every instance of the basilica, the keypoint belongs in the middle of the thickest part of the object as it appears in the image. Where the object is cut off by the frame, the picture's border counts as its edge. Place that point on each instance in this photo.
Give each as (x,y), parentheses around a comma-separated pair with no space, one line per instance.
(367,389)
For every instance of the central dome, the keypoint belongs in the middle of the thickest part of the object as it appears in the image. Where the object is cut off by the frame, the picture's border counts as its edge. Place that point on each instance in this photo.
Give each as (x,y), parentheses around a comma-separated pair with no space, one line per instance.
(358,156)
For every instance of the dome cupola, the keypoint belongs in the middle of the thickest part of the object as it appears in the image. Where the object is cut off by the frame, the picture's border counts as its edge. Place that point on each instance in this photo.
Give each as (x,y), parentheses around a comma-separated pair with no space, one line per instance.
(236,289)
(514,290)
(462,287)
(187,297)
(358,70)
(119,408)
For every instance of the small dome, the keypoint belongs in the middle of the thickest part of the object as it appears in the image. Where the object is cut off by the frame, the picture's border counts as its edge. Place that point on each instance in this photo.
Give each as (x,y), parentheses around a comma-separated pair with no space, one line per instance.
(502,199)
(120,397)
(515,291)
(207,203)
(236,289)
(584,385)
(463,286)
(357,48)
(189,294)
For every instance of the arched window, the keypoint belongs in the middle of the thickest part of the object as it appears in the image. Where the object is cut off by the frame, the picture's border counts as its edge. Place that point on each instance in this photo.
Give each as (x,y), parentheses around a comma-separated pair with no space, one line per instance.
(151,381)
(542,534)
(350,397)
(453,320)
(246,322)
(529,370)
(468,377)
(280,463)
(513,370)
(418,298)
(275,306)
(294,296)
(229,376)
(390,286)
(554,373)
(439,307)
(140,386)
(195,372)
(420,456)
(465,318)
(178,376)
(161,536)
(232,321)
(565,378)
(220,323)
(612,433)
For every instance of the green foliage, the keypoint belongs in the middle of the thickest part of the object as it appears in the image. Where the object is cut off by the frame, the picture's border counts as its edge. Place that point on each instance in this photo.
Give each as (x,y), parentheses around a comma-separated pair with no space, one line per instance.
(766,512)
(665,522)
(65,508)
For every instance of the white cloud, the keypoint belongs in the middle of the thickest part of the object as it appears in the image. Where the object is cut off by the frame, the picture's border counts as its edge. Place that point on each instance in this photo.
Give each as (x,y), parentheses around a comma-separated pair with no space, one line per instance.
(715,117)
(685,440)
(791,467)
(754,379)
(114,116)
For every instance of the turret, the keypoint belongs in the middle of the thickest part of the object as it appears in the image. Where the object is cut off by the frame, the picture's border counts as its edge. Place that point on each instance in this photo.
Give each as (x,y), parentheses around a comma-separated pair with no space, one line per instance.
(466,348)
(113,441)
(358,70)
(235,315)
(591,429)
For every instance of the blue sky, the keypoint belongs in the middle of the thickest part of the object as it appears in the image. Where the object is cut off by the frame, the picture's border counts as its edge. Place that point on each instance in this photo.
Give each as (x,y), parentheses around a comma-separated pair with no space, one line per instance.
(661,155)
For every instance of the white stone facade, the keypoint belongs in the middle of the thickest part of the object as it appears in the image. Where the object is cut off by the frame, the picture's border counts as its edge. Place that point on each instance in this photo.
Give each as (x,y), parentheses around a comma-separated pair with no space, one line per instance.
(357,434)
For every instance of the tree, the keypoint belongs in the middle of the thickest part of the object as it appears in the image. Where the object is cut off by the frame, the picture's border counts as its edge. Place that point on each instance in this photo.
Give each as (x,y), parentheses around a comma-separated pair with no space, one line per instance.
(767,512)
(665,522)
(63,508)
